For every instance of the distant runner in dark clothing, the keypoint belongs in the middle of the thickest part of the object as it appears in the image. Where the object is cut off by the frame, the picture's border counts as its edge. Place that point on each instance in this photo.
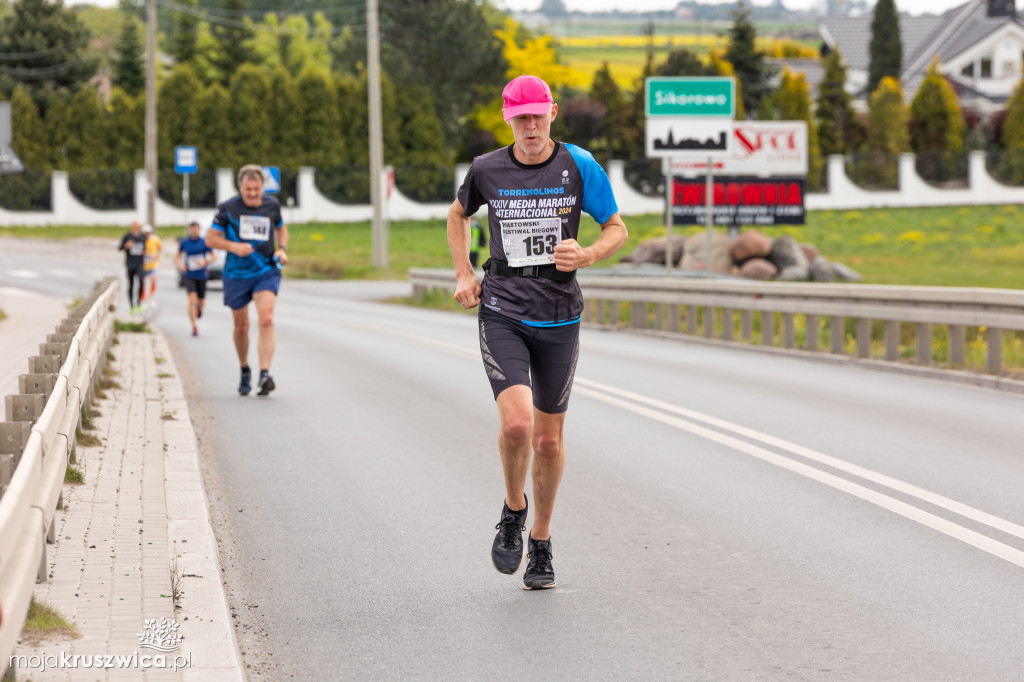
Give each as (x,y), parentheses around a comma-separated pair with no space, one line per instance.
(133,243)
(534,191)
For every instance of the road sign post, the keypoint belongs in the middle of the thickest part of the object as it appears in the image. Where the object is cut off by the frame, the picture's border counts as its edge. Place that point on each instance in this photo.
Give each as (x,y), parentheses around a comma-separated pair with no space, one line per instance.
(689,117)
(186,162)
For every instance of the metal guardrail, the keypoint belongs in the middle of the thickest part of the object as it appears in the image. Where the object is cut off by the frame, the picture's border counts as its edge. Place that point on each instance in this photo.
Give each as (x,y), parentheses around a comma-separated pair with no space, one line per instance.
(36,443)
(709,308)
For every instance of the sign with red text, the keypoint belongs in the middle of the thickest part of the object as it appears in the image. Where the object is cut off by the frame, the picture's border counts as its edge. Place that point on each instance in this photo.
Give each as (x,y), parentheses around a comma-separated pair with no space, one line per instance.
(740,200)
(758,148)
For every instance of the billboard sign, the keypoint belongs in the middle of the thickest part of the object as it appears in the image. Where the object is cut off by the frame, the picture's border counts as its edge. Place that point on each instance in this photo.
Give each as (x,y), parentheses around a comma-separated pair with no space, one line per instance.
(740,200)
(683,137)
(758,148)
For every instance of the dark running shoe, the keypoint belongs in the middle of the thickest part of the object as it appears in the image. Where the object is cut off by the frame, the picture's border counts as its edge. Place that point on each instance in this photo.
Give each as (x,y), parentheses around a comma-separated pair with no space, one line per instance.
(539,574)
(507,550)
(245,385)
(266,384)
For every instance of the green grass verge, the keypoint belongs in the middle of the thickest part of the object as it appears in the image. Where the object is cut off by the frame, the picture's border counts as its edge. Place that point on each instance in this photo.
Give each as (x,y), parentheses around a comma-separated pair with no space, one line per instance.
(45,623)
(971,246)
(73,476)
(131,327)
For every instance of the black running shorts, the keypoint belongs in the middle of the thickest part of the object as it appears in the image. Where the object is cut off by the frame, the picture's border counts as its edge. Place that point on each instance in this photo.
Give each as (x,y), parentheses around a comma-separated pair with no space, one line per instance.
(194,285)
(543,358)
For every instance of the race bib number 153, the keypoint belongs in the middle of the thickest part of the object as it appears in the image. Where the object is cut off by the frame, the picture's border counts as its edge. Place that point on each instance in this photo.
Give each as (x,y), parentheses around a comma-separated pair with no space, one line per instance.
(530,241)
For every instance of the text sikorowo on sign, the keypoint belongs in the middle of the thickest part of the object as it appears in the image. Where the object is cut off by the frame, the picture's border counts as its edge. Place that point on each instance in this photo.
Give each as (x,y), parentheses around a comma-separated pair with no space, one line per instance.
(740,201)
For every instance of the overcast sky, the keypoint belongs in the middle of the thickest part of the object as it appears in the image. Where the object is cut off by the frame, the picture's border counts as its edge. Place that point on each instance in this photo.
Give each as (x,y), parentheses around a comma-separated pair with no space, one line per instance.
(911,6)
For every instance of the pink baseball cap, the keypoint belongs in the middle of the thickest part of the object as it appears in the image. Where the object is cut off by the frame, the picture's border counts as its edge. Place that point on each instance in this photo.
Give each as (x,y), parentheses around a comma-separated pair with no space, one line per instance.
(526,95)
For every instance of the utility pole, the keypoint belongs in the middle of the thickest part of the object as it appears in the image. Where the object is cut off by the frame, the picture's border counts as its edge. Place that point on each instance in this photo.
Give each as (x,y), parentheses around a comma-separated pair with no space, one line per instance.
(379,229)
(151,112)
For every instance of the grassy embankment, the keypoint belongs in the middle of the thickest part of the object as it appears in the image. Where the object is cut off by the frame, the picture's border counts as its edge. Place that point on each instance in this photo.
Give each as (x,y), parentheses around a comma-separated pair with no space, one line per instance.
(977,246)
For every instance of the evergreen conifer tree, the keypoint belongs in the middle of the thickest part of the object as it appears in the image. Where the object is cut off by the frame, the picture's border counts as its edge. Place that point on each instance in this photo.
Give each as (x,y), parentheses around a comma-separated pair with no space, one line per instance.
(749,66)
(887,135)
(129,65)
(249,138)
(85,130)
(1011,162)
(886,47)
(233,42)
(28,132)
(185,38)
(937,127)
(48,43)
(793,103)
(838,128)
(214,127)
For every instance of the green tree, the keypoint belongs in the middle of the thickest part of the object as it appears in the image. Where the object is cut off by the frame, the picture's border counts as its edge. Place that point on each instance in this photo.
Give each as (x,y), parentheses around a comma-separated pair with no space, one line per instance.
(1011,162)
(234,38)
(57,125)
(321,140)
(207,58)
(29,137)
(838,127)
(886,47)
(793,103)
(47,43)
(936,127)
(936,121)
(553,8)
(887,134)
(129,65)
(249,139)
(604,89)
(177,112)
(682,62)
(215,128)
(185,39)
(125,130)
(423,169)
(752,72)
(85,130)
(282,106)
(449,46)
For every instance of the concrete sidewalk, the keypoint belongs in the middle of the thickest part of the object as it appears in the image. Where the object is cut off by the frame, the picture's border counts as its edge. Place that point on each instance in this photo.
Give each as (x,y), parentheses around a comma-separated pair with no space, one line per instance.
(138,522)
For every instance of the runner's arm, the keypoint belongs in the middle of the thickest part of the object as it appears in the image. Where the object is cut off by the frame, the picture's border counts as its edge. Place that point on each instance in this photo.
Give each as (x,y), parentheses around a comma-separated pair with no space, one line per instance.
(467,288)
(179,262)
(281,239)
(215,240)
(569,255)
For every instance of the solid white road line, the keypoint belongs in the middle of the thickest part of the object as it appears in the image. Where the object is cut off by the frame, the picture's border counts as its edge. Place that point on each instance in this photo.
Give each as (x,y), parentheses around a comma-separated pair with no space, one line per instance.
(642,405)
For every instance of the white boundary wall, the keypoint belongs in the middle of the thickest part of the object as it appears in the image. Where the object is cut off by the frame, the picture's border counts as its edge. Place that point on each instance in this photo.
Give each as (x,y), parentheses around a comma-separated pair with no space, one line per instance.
(312,206)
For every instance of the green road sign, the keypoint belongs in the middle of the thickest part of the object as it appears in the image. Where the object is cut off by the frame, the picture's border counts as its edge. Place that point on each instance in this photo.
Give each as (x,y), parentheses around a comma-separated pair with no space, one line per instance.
(691,97)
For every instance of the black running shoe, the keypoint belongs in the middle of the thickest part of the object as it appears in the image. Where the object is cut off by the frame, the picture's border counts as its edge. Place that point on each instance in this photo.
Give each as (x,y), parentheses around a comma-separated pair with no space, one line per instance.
(539,574)
(507,550)
(245,385)
(266,384)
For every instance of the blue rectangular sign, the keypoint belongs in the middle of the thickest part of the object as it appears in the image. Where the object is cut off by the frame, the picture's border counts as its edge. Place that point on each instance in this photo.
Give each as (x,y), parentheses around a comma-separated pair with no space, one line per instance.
(186,160)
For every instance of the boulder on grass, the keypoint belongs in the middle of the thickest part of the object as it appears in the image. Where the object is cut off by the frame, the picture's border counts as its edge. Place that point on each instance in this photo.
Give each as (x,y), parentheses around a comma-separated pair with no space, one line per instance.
(750,244)
(694,254)
(787,253)
(794,273)
(821,270)
(810,252)
(653,251)
(845,274)
(758,268)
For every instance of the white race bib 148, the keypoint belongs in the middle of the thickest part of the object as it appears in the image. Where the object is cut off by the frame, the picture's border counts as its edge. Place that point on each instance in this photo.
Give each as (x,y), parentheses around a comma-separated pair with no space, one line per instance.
(254,228)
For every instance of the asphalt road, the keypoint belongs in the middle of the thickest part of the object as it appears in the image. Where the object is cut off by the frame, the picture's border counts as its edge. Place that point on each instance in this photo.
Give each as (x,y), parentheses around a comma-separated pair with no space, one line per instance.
(723,515)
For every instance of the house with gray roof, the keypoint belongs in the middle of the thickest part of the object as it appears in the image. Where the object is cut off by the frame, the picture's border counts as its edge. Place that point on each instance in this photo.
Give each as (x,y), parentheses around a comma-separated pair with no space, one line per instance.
(979,45)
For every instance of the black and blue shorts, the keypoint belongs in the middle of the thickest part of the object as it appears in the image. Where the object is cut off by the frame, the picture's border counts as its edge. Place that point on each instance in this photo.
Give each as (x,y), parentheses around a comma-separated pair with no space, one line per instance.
(543,358)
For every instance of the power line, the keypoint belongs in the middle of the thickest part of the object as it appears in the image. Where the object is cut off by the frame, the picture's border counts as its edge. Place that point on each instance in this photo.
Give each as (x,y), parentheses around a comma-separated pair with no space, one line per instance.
(16,56)
(193,9)
(28,73)
(275,30)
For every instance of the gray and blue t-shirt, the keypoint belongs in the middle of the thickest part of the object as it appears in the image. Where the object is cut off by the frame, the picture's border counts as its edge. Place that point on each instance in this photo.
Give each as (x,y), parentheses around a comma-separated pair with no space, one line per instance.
(530,208)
